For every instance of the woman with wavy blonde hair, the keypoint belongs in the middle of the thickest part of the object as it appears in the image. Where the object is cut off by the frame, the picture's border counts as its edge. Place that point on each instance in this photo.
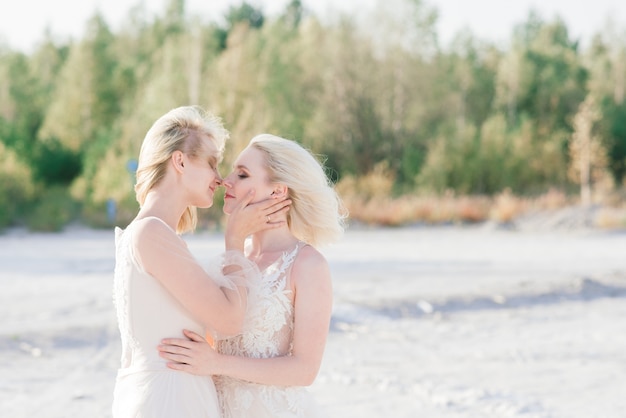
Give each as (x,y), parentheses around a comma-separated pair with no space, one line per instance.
(159,287)
(262,371)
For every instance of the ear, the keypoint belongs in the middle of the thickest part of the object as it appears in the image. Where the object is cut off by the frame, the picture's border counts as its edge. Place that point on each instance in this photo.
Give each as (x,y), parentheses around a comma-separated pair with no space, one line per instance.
(280,190)
(178,161)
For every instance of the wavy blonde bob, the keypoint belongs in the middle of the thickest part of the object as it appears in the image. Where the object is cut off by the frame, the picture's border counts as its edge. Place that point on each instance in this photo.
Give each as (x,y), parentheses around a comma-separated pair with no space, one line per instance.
(182,129)
(317,215)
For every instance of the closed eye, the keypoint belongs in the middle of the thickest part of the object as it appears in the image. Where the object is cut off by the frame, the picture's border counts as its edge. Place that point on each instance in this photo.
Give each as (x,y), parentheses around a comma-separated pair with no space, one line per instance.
(242,171)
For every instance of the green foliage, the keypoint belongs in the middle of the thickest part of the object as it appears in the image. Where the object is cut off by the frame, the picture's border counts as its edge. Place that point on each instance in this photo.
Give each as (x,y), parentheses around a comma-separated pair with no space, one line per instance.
(236,15)
(293,14)
(54,164)
(54,209)
(494,159)
(552,78)
(97,215)
(616,139)
(16,187)
(475,118)
(85,99)
(411,164)
(245,13)
(213,217)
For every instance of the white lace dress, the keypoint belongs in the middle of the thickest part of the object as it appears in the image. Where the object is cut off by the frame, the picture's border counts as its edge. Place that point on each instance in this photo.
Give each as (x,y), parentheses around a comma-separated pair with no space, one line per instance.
(267,332)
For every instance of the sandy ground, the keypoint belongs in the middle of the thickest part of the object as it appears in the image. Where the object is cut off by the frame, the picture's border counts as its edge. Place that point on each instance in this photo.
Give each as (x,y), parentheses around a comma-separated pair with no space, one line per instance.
(427,322)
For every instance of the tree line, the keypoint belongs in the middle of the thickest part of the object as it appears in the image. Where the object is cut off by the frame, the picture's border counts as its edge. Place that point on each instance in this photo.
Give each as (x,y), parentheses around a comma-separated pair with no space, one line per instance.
(385,97)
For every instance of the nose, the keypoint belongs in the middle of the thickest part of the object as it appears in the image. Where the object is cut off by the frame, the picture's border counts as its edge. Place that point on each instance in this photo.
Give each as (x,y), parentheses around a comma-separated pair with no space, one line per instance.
(218,179)
(227,183)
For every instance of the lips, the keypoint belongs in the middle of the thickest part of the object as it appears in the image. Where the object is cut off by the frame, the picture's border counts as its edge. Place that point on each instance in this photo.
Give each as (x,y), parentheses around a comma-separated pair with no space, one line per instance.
(228,196)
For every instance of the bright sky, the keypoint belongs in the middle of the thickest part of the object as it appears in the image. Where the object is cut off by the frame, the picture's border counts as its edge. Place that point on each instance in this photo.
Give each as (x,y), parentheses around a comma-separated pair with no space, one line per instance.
(22,22)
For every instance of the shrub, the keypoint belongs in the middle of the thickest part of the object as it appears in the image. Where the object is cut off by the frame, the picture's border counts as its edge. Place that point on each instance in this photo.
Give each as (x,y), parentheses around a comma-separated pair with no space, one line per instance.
(54,209)
(16,186)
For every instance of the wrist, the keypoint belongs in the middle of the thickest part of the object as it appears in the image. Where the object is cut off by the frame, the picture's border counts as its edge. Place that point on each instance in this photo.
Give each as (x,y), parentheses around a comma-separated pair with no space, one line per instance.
(234,244)
(221,366)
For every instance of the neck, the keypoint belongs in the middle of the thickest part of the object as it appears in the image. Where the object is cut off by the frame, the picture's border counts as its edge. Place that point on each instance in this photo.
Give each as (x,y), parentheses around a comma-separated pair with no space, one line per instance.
(162,206)
(273,240)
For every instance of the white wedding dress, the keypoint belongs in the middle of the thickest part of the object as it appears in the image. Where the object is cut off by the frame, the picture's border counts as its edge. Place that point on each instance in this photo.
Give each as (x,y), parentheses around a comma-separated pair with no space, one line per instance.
(267,332)
(147,313)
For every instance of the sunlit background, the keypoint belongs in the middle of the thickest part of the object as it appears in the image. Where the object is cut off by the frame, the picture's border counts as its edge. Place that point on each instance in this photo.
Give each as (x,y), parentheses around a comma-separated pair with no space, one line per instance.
(480,147)
(23,22)
(423,111)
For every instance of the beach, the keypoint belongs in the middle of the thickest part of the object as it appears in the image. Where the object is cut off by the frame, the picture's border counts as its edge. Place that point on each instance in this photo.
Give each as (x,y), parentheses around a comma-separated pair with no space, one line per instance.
(445,321)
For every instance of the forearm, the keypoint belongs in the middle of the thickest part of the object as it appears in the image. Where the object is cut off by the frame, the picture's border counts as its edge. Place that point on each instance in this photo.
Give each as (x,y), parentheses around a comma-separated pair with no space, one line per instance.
(233,273)
(277,371)
(234,241)
(231,317)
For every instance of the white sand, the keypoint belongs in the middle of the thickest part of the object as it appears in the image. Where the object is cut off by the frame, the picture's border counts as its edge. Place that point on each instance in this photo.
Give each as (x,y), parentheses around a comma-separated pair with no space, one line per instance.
(428,322)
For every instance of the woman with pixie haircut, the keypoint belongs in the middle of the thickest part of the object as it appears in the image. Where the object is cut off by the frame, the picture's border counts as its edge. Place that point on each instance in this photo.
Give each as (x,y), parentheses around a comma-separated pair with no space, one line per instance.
(159,287)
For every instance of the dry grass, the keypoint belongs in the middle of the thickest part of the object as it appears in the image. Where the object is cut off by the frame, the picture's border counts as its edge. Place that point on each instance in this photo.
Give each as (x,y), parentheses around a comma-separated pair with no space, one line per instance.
(611,218)
(504,208)
(369,201)
(414,209)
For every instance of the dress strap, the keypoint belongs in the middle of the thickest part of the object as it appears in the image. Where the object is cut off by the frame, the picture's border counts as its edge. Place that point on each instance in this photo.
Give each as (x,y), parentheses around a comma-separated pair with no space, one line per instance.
(287,259)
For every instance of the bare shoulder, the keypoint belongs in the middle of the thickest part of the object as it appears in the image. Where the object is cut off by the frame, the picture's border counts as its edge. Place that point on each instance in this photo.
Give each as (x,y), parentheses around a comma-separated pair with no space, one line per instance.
(310,265)
(151,230)
(147,226)
(309,257)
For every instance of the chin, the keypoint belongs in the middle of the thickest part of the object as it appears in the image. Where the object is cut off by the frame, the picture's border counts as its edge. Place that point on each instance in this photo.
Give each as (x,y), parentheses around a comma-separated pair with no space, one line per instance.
(226,208)
(204,205)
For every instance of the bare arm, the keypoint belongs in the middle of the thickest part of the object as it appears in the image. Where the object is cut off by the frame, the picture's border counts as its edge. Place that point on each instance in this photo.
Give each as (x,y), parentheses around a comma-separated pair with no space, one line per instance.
(165,256)
(312,310)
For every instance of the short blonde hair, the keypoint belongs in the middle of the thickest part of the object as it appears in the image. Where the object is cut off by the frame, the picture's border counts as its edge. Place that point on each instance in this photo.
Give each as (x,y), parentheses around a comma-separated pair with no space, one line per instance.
(181,129)
(316,215)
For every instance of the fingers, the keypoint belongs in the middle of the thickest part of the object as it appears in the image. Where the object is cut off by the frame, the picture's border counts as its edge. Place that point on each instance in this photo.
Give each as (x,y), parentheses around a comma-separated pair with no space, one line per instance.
(272,213)
(181,342)
(187,368)
(177,358)
(271,206)
(279,219)
(247,199)
(173,349)
(181,362)
(278,210)
(178,342)
(194,336)
(180,367)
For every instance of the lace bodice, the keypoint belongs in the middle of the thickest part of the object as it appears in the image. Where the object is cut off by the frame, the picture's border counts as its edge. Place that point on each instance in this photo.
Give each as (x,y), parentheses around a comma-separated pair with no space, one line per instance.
(268,326)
